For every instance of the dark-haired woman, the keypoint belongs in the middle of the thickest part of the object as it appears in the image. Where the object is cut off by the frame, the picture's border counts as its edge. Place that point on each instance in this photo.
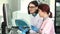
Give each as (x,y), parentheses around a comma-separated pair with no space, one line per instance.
(47,26)
(36,21)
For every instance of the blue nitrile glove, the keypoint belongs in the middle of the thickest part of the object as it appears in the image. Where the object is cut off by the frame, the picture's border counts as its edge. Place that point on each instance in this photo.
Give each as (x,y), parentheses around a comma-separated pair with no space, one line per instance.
(34,28)
(21,28)
(24,30)
(23,33)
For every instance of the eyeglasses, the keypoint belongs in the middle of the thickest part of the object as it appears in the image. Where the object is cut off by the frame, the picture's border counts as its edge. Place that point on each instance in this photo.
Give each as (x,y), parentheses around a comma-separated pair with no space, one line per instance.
(31,6)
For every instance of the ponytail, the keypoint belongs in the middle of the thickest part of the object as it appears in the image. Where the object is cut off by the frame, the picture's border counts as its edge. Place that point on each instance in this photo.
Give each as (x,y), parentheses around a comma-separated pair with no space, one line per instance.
(50,15)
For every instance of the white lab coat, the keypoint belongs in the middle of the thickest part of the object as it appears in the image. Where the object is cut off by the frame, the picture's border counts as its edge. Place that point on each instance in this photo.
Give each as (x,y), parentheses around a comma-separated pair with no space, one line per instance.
(36,21)
(47,27)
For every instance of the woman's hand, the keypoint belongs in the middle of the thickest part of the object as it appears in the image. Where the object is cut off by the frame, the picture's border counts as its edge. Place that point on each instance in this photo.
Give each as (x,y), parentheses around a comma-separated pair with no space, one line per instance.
(34,28)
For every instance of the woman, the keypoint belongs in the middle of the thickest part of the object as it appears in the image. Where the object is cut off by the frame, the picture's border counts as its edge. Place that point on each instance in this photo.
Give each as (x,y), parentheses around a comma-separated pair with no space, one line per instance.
(36,21)
(47,26)
(32,11)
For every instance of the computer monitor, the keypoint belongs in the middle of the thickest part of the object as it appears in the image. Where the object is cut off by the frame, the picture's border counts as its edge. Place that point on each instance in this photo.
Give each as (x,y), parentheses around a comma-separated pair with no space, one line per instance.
(4,15)
(7,15)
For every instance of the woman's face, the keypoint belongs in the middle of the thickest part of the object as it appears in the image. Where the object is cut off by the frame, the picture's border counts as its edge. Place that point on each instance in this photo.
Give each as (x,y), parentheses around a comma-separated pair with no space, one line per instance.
(32,8)
(41,13)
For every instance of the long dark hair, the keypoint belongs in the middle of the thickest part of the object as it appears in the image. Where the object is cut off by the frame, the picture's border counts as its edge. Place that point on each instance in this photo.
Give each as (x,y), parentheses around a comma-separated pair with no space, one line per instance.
(45,8)
(35,3)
